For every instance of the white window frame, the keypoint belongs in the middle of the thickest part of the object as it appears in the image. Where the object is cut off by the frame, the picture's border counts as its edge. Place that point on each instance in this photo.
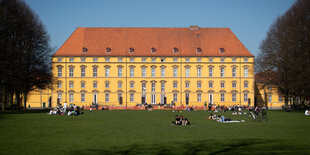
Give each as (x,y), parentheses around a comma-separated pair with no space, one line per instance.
(120,84)
(153,87)
(143,72)
(71,72)
(234,97)
(246,72)
(59,71)
(222,84)
(210,84)
(107,97)
(95,71)
(71,84)
(222,97)
(187,72)
(95,85)
(198,84)
(153,72)
(83,84)
(245,97)
(163,89)
(107,72)
(71,98)
(234,72)
(210,72)
(222,72)
(175,97)
(187,84)
(132,97)
(83,70)
(82,97)
(163,72)
(199,97)
(175,85)
(132,72)
(120,72)
(175,72)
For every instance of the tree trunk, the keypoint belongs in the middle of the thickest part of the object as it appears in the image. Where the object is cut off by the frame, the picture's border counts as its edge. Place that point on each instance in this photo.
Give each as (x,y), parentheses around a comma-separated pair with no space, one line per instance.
(25,100)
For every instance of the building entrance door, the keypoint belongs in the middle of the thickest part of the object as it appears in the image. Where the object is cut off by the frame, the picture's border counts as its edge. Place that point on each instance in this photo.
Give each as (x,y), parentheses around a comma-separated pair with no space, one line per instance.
(95,99)
(211,98)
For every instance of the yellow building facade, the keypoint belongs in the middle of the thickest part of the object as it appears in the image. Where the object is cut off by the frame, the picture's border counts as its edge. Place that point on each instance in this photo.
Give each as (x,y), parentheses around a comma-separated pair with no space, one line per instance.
(130,66)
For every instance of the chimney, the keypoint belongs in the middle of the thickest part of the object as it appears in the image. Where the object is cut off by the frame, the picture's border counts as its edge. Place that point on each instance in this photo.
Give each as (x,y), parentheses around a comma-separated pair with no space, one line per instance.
(194,27)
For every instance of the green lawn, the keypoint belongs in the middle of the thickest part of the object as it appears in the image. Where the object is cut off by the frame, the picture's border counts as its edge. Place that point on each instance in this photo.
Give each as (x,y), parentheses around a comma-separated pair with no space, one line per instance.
(151,132)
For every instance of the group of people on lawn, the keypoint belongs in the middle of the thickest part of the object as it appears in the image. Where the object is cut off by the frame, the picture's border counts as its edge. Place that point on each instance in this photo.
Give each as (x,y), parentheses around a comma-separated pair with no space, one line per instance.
(72,110)
(181,120)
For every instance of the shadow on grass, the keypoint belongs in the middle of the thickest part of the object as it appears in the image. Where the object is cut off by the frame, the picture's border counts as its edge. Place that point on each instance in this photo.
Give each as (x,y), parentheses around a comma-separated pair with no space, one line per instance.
(225,146)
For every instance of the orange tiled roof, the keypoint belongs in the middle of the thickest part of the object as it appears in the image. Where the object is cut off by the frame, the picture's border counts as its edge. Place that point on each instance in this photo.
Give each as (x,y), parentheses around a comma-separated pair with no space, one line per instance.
(187,40)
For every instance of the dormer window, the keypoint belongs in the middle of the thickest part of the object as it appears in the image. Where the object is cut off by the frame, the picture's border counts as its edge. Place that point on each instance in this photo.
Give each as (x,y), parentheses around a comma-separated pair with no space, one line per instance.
(198,50)
(84,50)
(175,50)
(222,50)
(153,50)
(131,50)
(108,50)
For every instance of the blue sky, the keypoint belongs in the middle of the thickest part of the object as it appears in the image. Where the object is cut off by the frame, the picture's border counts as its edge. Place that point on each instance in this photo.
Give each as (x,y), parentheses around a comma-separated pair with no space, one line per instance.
(248,19)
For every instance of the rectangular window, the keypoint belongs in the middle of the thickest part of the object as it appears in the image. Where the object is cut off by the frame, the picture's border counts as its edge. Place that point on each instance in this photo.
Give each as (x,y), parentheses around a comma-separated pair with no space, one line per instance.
(234,60)
(199,97)
(175,97)
(234,74)
(222,59)
(163,72)
(245,99)
(186,72)
(153,97)
(269,98)
(95,85)
(175,85)
(143,59)
(245,72)
(234,85)
(120,59)
(107,59)
(246,85)
(70,97)
(82,59)
(198,59)
(120,72)
(143,72)
(199,72)
(153,60)
(59,71)
(132,72)
(198,84)
(210,72)
(162,87)
(120,84)
(222,72)
(82,97)
(59,85)
(210,85)
(71,72)
(175,72)
(82,72)
(280,98)
(187,60)
(222,97)
(83,85)
(71,60)
(187,85)
(107,72)
(222,84)
(246,59)
(59,97)
(107,85)
(107,97)
(132,97)
(59,59)
(210,60)
(70,84)
(234,97)
(153,87)
(132,85)
(132,60)
(175,60)
(153,72)
(94,72)
(95,59)
(143,87)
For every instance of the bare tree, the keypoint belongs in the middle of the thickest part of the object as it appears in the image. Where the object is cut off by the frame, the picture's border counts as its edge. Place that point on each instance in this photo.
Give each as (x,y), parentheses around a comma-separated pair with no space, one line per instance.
(24,50)
(285,53)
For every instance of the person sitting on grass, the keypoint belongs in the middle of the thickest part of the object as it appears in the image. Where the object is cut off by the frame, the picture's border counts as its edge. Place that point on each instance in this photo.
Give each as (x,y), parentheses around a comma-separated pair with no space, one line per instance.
(307,112)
